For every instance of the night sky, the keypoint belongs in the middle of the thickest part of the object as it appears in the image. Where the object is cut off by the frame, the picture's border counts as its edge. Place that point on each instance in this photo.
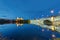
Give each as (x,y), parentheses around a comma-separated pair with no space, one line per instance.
(27,9)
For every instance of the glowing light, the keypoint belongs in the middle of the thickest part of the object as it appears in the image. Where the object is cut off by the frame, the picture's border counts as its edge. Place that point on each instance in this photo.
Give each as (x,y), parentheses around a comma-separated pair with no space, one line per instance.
(53,36)
(52,11)
(42,30)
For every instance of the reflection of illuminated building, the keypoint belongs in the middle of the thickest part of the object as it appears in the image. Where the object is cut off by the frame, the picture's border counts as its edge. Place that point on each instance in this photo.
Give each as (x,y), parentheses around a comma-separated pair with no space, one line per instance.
(52,22)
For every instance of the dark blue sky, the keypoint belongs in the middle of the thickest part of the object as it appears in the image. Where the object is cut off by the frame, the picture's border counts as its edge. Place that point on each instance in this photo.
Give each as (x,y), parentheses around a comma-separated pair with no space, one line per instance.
(27,9)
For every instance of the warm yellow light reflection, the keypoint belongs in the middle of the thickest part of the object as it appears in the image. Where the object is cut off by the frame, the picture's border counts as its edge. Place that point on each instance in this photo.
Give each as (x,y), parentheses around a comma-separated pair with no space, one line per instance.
(53,27)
